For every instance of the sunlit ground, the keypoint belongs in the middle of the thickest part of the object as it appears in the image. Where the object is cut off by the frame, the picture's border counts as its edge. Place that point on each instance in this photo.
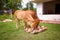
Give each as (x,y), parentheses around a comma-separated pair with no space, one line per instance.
(8,31)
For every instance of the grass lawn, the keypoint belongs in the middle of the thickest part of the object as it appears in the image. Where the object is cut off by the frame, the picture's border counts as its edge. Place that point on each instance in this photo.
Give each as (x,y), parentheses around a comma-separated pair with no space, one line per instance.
(9,32)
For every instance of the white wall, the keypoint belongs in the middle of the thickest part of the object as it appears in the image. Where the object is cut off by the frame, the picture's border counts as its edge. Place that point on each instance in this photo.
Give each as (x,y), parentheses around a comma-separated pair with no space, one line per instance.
(50,17)
(39,8)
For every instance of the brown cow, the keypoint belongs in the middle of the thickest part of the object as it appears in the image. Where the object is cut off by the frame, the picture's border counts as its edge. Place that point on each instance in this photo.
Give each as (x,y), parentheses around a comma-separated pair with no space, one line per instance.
(28,16)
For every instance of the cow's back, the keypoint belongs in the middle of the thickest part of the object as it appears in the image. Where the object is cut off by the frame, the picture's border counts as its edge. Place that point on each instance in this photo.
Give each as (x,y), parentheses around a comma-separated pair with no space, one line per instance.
(19,14)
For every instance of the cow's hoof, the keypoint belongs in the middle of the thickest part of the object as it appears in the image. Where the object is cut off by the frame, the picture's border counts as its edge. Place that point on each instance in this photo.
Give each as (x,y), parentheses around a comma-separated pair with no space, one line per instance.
(26,29)
(40,30)
(43,28)
(30,30)
(35,31)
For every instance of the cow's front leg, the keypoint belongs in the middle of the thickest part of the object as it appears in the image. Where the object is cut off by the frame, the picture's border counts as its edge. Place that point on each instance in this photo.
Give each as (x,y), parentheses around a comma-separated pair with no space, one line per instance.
(34,25)
(25,26)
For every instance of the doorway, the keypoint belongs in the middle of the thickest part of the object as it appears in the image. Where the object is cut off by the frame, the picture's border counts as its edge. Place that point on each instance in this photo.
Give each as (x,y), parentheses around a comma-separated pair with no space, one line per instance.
(57,9)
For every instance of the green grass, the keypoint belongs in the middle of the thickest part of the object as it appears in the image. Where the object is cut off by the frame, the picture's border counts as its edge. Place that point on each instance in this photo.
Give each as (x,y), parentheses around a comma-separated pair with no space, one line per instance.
(8,31)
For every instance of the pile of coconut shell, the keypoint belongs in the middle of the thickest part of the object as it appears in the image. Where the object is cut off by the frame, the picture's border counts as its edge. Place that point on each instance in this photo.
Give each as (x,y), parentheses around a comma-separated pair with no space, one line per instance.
(37,30)
(7,20)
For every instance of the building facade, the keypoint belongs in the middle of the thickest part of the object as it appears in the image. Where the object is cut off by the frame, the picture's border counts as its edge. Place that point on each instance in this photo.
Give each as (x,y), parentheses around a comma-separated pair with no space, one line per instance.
(48,9)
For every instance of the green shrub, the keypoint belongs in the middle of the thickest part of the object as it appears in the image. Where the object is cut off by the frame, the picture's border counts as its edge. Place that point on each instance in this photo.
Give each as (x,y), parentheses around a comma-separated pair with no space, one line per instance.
(4,16)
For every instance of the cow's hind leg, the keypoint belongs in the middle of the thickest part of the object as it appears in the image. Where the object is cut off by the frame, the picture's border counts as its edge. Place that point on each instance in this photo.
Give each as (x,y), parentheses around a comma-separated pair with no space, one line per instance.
(17,23)
(25,24)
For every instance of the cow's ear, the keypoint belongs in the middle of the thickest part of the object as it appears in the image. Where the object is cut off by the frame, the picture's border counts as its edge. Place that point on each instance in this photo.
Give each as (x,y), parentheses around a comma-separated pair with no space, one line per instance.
(30,18)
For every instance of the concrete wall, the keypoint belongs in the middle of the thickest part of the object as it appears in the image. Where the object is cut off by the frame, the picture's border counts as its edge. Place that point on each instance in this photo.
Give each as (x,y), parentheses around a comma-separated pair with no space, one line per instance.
(39,9)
